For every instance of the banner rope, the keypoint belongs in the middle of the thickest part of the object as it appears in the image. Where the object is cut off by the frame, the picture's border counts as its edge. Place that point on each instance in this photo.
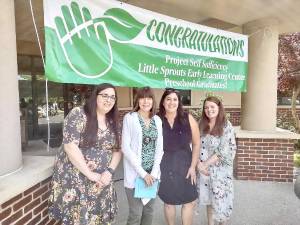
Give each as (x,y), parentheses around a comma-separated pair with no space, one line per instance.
(47,99)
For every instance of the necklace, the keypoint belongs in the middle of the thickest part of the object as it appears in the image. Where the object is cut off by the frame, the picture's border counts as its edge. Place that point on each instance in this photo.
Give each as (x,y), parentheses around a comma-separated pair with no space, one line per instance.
(146,120)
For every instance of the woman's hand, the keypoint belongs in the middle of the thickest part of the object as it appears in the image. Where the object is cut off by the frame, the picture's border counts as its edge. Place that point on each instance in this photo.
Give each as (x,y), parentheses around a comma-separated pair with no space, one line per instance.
(105,179)
(149,180)
(95,177)
(191,173)
(202,168)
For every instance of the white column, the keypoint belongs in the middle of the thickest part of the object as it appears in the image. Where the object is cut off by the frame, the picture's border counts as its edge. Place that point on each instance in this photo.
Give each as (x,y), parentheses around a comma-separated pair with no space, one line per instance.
(259,103)
(10,138)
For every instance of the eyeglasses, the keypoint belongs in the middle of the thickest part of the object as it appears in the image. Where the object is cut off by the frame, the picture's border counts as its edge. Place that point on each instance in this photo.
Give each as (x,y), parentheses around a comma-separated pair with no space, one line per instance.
(107,97)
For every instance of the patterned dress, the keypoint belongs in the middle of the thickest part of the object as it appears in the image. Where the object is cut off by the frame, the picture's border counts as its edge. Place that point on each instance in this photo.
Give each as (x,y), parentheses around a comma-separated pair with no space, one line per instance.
(149,144)
(217,188)
(74,199)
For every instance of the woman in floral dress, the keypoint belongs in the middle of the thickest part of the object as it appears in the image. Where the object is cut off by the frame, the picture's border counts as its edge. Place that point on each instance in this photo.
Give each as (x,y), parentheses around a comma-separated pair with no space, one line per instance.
(83,191)
(215,183)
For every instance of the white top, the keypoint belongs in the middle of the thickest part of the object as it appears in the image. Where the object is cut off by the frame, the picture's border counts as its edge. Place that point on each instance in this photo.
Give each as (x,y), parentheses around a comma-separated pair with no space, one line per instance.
(132,149)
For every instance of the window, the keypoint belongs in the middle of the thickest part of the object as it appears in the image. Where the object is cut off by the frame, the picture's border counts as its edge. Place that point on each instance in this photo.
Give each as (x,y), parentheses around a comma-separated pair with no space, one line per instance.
(185,97)
(286,99)
(33,108)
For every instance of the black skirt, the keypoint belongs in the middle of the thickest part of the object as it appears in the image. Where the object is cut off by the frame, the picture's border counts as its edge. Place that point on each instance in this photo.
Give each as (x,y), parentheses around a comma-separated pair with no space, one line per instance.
(174,188)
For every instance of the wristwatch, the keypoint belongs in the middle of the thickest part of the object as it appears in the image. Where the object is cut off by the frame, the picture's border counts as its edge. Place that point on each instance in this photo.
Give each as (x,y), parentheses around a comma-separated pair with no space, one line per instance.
(111,170)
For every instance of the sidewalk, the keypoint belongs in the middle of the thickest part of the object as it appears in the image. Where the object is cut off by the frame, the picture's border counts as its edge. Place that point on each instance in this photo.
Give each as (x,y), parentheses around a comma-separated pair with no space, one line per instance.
(256,203)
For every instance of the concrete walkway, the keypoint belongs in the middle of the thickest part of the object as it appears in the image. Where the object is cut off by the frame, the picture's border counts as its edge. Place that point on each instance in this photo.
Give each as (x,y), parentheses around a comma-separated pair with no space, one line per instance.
(256,203)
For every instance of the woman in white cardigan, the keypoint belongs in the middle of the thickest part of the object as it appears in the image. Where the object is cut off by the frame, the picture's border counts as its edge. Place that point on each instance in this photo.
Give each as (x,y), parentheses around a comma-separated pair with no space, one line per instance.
(142,146)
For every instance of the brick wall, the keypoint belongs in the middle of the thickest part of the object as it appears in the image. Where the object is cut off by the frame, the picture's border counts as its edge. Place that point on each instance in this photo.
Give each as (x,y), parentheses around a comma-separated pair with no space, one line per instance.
(264,159)
(29,207)
(235,115)
(286,111)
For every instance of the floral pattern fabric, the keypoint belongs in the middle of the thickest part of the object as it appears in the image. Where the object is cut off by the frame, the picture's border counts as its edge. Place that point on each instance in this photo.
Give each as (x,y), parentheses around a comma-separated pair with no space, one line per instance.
(74,199)
(149,144)
(217,188)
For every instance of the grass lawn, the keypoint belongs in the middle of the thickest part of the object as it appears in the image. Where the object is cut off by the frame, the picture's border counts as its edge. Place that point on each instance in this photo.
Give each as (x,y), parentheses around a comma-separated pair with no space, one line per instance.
(297,158)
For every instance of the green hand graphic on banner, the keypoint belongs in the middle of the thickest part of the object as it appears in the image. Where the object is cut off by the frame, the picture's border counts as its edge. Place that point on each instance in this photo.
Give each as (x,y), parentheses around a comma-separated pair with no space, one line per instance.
(85,41)
(80,39)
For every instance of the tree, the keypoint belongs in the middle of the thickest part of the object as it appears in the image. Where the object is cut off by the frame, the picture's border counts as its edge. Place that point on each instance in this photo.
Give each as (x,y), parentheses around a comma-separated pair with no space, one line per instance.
(289,70)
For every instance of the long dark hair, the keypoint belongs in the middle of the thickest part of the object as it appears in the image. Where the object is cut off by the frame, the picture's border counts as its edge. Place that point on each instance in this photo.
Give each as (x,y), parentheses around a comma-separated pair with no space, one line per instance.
(90,109)
(180,112)
(144,92)
(217,130)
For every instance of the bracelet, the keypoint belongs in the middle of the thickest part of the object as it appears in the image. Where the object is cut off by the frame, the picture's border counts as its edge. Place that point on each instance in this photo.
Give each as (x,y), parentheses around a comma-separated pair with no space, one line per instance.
(111,170)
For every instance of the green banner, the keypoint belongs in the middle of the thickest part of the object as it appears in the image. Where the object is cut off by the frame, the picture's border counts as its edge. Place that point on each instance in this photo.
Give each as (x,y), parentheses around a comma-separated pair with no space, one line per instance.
(95,41)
